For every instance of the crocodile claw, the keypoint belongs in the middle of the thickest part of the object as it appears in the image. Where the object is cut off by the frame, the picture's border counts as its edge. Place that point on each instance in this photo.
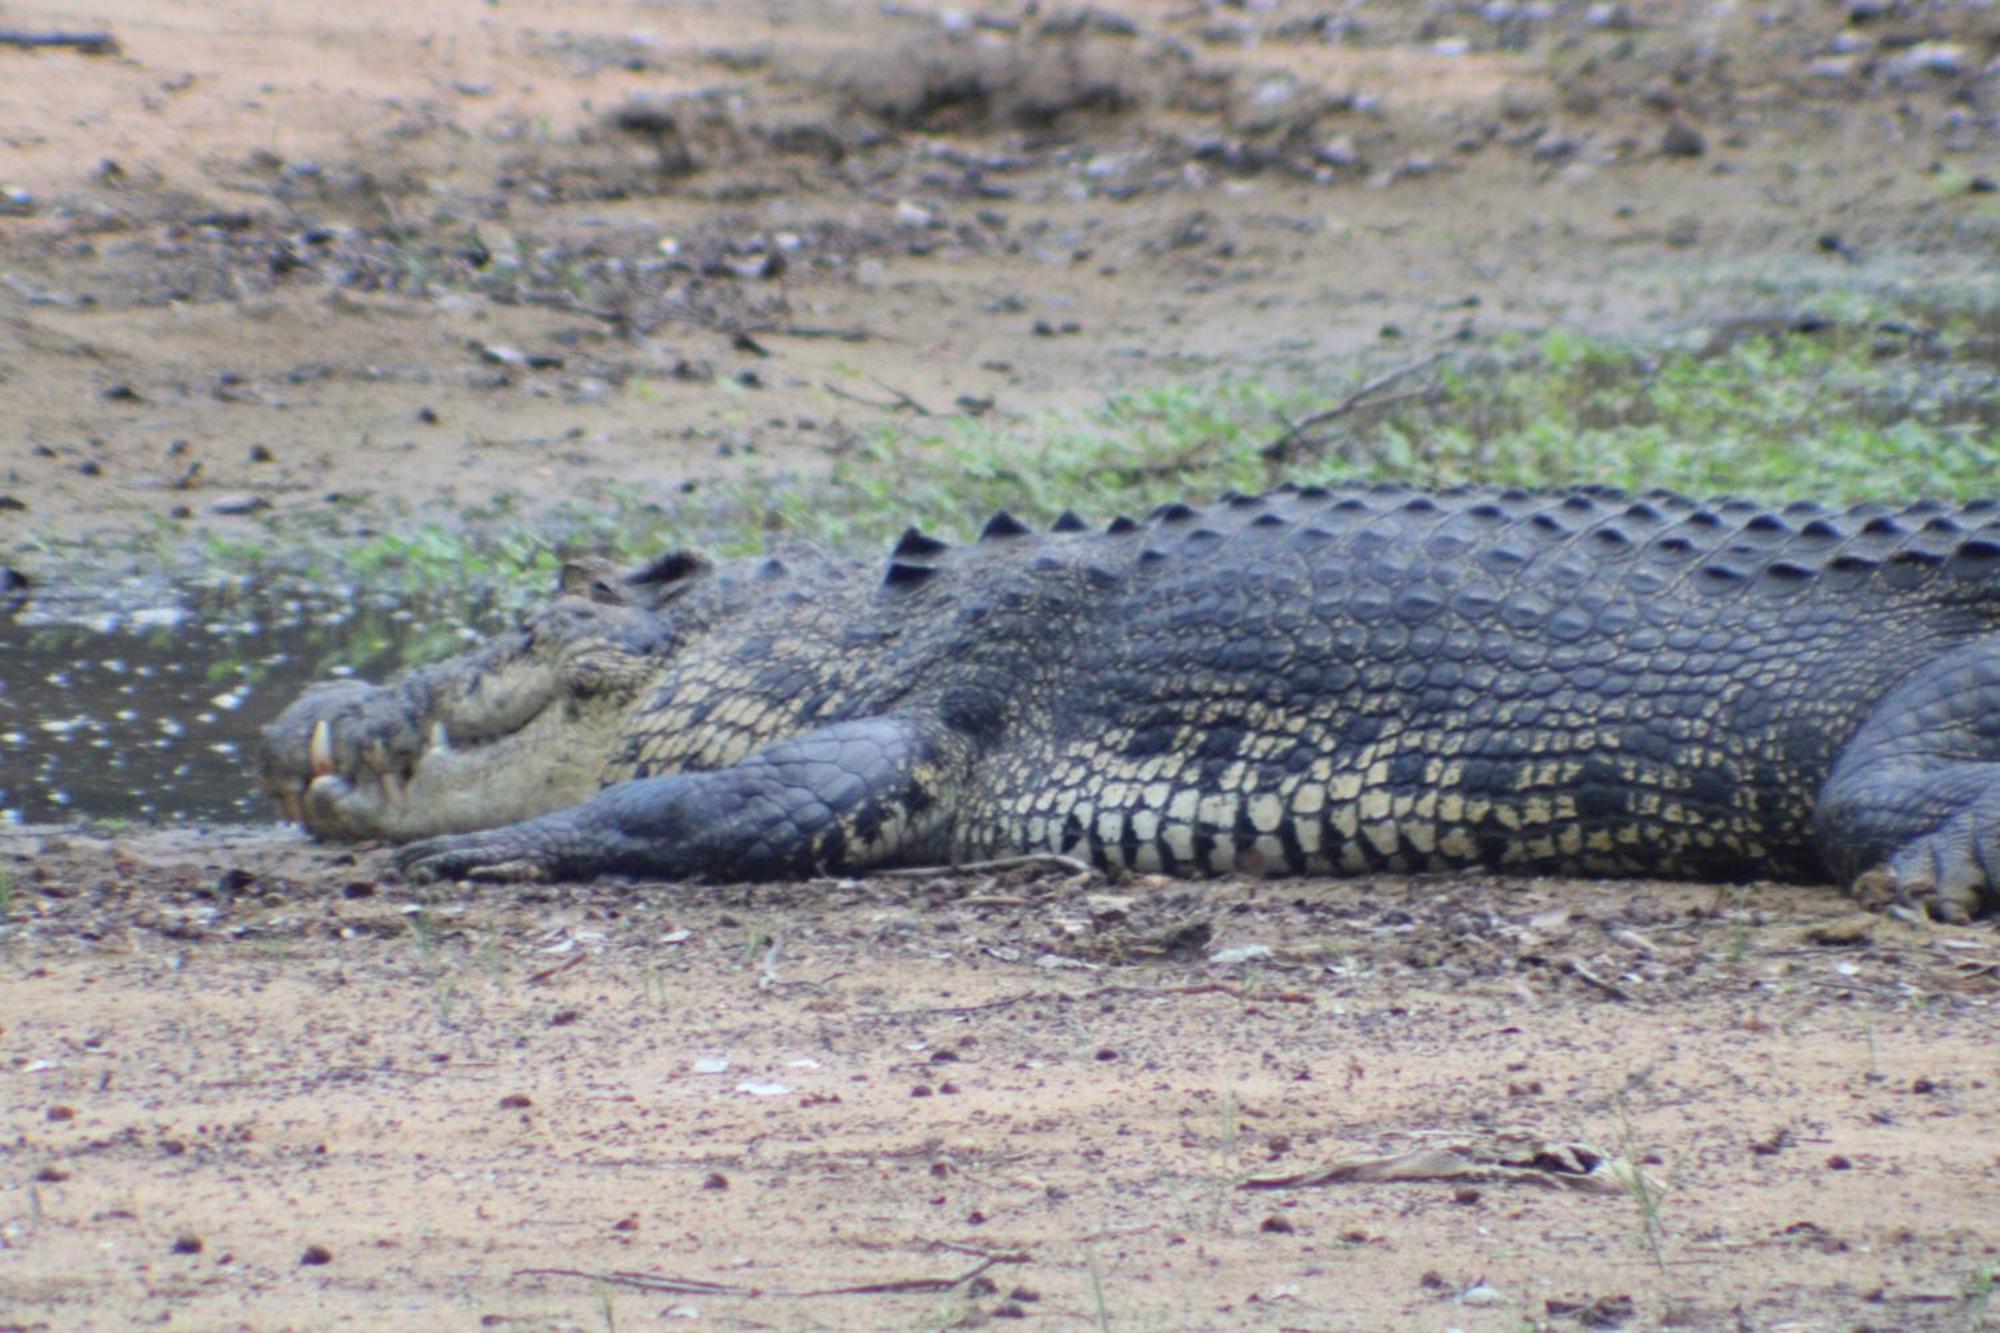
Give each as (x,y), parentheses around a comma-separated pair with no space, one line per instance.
(481,856)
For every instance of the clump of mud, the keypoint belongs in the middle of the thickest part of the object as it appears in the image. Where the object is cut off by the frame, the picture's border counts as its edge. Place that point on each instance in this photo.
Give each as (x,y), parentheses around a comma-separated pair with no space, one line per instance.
(971,79)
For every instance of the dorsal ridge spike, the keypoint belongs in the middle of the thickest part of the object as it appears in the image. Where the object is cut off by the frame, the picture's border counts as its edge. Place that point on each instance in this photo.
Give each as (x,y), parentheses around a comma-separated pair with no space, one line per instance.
(669,568)
(1003,526)
(901,574)
(1069,521)
(918,545)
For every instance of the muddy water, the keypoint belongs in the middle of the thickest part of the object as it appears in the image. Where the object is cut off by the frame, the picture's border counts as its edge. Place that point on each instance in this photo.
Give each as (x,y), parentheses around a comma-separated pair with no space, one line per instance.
(151,714)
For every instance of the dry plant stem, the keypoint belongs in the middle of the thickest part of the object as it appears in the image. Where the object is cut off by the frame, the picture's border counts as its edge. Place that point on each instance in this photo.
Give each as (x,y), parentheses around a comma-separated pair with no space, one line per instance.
(539,977)
(1105,992)
(1298,438)
(695,1287)
(88,43)
(1590,978)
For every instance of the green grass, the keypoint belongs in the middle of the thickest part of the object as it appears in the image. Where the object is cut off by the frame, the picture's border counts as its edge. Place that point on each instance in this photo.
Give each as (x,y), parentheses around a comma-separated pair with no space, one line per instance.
(1640,1189)
(1870,398)
(1979,1290)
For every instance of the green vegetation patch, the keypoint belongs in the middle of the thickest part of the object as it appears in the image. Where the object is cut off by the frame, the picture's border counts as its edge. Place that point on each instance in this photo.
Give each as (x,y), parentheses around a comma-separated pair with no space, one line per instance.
(1841,410)
(1858,404)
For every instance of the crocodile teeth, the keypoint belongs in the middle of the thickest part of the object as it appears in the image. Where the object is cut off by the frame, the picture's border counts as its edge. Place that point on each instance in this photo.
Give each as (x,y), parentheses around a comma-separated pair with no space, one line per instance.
(439,741)
(392,787)
(320,751)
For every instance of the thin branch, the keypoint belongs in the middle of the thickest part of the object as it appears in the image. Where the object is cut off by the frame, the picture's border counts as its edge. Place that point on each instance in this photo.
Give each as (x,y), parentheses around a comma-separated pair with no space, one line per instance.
(899,401)
(1576,969)
(681,1286)
(88,43)
(1299,437)
(854,334)
(547,972)
(920,1284)
(1234,992)
(678,1286)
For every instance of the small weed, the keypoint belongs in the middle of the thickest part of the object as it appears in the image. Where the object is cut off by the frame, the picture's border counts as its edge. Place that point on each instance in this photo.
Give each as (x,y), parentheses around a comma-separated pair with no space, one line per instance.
(1100,1309)
(1734,902)
(1639,1187)
(1979,1290)
(424,932)
(444,982)
(6,896)
(1224,1182)
(490,958)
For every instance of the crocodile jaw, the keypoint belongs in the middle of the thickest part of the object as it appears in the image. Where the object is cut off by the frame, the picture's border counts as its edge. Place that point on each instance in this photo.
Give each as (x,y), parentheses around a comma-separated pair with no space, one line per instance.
(548,763)
(523,726)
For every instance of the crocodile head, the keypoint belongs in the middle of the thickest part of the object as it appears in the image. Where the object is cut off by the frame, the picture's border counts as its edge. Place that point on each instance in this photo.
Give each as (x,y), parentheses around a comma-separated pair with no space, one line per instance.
(522,725)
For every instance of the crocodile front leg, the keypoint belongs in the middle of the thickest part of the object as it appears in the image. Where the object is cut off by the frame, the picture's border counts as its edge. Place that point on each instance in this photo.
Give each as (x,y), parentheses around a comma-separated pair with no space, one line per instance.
(1913,805)
(871,792)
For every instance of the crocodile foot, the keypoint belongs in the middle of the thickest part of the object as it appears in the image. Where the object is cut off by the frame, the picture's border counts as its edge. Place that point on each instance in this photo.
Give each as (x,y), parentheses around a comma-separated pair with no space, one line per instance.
(482,856)
(1952,873)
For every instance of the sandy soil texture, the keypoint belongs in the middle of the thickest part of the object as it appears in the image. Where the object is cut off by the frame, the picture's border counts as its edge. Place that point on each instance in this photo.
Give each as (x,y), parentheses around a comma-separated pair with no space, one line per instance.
(276,259)
(250,1083)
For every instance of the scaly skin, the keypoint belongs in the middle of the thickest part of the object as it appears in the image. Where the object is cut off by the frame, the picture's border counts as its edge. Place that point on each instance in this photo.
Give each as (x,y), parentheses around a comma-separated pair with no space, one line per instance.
(1312,681)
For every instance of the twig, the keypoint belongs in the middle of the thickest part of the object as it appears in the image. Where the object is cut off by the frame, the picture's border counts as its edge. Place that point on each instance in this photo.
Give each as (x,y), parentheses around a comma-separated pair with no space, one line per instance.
(920,1284)
(557,970)
(679,1286)
(1104,992)
(903,399)
(1052,859)
(570,305)
(1584,974)
(87,43)
(1848,985)
(1281,449)
(846,335)
(1201,988)
(899,401)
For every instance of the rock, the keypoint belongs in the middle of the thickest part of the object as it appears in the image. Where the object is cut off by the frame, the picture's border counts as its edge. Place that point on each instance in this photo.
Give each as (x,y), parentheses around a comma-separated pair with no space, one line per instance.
(1944,59)
(1682,140)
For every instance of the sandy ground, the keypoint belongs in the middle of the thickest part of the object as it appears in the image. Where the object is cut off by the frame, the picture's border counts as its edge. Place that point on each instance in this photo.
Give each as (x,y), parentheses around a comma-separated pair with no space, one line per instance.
(326,264)
(917,1103)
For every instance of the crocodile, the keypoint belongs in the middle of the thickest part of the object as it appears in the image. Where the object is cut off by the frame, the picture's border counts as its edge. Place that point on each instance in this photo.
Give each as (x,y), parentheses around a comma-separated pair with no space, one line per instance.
(1313,680)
